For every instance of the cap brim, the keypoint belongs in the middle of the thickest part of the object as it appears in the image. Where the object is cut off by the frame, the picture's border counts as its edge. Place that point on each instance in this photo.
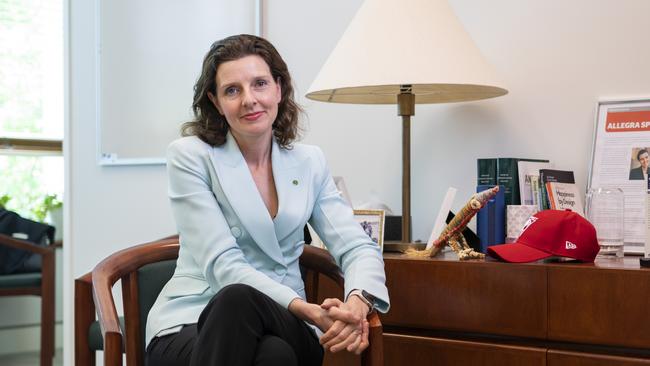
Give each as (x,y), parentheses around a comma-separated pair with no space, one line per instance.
(517,253)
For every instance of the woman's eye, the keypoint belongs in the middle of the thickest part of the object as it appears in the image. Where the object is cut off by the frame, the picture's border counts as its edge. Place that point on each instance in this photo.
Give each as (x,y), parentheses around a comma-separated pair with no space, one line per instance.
(261,83)
(231,91)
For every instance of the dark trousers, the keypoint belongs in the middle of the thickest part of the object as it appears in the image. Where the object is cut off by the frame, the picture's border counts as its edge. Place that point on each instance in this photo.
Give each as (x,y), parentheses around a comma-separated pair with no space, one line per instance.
(239,326)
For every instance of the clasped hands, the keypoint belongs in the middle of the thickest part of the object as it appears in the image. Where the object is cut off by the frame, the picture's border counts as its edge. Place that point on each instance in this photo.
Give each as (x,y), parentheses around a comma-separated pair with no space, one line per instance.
(344,324)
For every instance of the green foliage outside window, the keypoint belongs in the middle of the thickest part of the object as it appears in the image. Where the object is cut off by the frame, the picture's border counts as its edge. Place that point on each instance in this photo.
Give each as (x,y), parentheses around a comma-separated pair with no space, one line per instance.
(21,66)
(25,188)
(30,74)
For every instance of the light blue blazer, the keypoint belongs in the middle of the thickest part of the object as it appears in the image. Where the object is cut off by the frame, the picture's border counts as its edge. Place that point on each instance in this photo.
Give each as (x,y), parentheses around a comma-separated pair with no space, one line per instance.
(227,235)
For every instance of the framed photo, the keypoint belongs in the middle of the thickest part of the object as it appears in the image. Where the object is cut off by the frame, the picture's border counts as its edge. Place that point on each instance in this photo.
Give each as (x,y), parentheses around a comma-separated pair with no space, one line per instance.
(372,222)
(619,159)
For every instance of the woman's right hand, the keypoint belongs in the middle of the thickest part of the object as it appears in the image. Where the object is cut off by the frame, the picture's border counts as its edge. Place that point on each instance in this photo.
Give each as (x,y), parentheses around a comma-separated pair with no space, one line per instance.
(311,313)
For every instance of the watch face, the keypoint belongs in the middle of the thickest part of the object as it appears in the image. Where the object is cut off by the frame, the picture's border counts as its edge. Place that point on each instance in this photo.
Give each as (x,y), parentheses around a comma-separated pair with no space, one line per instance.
(371,299)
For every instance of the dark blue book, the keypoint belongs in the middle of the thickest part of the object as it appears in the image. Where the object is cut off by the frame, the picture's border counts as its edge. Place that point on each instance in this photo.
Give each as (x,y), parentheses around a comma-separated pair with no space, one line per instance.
(491,219)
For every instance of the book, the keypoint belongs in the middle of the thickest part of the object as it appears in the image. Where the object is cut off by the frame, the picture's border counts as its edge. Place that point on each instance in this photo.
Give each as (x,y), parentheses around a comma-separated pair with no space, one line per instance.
(535,190)
(508,177)
(528,172)
(552,175)
(486,171)
(564,196)
(490,220)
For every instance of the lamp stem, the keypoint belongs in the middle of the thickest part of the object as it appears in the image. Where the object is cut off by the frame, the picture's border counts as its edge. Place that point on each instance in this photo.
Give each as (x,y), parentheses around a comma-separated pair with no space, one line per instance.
(406,109)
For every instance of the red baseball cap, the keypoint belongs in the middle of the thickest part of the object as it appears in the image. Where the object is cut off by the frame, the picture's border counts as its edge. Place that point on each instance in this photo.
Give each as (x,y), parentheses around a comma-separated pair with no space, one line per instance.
(551,233)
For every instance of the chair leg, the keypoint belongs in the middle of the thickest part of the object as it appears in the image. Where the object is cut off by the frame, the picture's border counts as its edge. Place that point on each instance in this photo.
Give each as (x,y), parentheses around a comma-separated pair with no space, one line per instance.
(47,309)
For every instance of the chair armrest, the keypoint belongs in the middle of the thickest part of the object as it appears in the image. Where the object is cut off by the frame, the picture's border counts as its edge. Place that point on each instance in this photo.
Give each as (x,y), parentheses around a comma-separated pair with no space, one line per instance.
(320,260)
(374,355)
(8,241)
(102,285)
(84,315)
(109,271)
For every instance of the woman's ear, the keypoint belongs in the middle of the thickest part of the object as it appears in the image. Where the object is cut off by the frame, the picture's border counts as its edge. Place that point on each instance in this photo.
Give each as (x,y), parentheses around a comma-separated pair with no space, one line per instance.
(279,88)
(214,101)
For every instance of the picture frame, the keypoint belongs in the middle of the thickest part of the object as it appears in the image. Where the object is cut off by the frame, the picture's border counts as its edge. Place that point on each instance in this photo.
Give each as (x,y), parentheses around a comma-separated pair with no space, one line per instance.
(372,222)
(621,131)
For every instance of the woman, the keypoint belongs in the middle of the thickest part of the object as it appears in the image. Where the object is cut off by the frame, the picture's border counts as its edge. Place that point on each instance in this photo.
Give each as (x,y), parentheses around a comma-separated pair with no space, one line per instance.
(241,193)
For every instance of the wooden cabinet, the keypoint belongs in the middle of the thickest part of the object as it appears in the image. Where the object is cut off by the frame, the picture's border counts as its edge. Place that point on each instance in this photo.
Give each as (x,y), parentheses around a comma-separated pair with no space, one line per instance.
(467,296)
(448,312)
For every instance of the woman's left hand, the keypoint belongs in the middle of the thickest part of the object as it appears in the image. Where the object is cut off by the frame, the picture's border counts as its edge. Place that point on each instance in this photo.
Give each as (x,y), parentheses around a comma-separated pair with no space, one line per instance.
(350,329)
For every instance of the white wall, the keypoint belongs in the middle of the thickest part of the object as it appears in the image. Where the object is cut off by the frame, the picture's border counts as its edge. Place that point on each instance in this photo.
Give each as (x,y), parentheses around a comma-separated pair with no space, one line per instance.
(557,58)
(110,207)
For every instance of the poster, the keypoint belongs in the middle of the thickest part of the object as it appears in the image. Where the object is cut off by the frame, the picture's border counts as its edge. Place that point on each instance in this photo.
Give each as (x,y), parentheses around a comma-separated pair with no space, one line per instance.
(620,158)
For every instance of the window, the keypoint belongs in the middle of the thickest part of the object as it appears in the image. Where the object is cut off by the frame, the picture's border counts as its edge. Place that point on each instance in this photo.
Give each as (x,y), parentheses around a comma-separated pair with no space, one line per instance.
(31,103)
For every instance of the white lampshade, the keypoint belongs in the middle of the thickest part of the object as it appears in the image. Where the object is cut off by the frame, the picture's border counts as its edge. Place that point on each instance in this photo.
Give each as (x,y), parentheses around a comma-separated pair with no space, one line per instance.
(391,43)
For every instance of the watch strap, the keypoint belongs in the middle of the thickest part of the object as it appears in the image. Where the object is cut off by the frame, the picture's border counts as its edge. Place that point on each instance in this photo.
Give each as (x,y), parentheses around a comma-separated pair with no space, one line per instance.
(362,295)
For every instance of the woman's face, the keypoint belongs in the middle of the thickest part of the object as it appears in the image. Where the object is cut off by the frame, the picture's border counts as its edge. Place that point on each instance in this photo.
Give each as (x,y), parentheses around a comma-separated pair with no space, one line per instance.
(247,96)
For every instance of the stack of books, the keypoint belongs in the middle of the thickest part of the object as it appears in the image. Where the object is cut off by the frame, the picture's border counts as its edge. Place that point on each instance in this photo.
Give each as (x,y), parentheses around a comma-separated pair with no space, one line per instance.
(523,182)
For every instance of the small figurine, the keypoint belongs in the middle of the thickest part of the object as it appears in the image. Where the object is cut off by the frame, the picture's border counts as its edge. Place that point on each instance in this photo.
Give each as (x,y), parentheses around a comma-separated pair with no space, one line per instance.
(452,234)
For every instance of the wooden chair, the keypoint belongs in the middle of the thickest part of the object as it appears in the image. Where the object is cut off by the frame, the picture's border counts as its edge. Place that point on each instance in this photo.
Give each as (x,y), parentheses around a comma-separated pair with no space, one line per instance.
(143,271)
(35,284)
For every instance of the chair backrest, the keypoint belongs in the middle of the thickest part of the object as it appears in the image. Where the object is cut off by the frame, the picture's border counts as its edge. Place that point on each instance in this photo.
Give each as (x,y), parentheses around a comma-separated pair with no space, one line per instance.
(151,279)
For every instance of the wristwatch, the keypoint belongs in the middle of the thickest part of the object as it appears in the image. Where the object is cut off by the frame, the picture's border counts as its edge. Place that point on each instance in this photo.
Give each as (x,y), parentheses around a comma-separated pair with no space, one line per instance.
(366,298)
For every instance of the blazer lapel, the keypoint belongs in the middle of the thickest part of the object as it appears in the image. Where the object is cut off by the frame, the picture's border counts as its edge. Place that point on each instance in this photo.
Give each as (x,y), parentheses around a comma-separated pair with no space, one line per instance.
(238,185)
(291,176)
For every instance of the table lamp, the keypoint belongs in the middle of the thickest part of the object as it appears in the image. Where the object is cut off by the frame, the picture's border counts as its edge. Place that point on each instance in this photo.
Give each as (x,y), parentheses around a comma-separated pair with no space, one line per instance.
(407,52)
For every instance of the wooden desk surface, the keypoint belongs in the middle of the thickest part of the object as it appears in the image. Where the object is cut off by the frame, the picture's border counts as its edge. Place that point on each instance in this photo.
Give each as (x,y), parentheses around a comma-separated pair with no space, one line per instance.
(628,262)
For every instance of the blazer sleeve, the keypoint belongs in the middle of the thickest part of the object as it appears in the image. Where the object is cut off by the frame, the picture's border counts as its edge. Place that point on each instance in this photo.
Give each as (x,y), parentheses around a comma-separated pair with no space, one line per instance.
(355,253)
(203,228)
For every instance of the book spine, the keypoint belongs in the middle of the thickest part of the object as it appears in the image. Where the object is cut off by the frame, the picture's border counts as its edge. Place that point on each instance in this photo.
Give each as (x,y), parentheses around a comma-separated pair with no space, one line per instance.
(543,194)
(500,217)
(507,176)
(534,187)
(490,220)
(486,171)
(551,199)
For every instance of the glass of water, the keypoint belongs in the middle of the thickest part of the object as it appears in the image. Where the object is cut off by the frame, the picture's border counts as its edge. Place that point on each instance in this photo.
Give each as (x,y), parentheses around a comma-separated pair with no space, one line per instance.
(605,209)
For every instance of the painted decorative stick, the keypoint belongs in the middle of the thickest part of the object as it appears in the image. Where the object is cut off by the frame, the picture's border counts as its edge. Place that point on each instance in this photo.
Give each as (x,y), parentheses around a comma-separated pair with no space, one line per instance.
(452,234)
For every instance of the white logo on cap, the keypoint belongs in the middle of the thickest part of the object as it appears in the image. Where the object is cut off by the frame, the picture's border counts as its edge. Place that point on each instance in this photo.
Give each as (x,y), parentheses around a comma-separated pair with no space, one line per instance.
(570,245)
(529,222)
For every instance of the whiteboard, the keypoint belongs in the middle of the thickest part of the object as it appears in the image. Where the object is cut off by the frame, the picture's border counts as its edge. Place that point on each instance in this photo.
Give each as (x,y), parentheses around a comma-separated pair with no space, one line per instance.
(149,55)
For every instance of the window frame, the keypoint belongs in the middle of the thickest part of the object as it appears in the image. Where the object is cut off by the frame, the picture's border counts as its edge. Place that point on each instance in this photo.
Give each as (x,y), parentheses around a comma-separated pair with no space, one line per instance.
(20,146)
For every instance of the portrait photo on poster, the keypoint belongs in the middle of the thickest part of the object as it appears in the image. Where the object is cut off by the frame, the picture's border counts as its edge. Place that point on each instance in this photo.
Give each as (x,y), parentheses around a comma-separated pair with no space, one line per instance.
(372,222)
(639,163)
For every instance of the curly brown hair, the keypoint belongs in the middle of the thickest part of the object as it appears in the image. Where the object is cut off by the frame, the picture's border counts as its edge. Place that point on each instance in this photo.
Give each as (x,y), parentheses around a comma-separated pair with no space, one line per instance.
(208,124)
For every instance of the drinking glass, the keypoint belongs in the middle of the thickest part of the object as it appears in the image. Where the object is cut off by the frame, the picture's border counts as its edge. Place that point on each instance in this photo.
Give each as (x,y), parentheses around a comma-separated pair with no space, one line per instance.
(605,209)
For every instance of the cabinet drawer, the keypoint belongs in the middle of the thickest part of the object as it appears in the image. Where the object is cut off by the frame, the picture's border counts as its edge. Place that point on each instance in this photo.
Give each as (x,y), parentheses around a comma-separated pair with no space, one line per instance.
(599,306)
(496,298)
(402,350)
(564,358)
